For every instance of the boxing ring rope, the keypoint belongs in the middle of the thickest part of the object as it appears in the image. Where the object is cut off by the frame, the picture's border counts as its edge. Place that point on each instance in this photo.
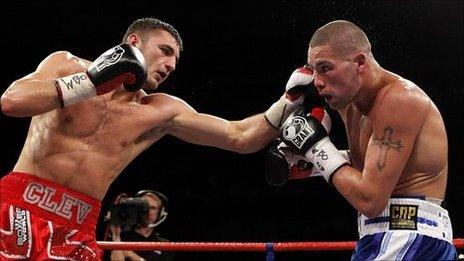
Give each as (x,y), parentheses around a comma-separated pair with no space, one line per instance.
(239,246)
(269,248)
(227,246)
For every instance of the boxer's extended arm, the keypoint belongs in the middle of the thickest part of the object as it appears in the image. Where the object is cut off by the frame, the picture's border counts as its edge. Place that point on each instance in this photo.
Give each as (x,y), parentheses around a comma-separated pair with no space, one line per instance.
(397,120)
(173,116)
(182,121)
(245,136)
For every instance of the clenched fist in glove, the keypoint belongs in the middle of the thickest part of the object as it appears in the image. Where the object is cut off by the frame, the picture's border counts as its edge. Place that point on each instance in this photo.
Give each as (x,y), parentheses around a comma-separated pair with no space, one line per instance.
(307,135)
(282,164)
(121,65)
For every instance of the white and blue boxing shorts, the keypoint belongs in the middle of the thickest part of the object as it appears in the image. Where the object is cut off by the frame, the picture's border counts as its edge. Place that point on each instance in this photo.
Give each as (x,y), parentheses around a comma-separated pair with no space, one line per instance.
(407,229)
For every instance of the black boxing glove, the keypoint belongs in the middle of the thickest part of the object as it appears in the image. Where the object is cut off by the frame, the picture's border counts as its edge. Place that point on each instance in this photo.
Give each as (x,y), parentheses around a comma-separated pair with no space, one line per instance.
(282,165)
(122,64)
(306,135)
(276,166)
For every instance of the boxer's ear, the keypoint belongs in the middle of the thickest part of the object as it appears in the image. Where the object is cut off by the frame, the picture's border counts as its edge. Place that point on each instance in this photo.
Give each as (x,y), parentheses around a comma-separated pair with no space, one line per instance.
(134,40)
(360,60)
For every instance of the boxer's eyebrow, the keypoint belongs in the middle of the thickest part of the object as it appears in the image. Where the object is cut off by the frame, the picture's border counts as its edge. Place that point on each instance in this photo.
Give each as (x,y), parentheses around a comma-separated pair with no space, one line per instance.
(318,64)
(171,51)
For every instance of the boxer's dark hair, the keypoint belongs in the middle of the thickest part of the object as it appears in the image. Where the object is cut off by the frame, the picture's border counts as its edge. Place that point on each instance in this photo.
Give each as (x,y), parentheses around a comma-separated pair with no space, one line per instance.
(146,24)
(343,36)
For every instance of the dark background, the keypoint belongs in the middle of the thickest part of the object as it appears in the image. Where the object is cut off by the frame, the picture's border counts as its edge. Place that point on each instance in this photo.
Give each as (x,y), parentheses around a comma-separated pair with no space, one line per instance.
(238,56)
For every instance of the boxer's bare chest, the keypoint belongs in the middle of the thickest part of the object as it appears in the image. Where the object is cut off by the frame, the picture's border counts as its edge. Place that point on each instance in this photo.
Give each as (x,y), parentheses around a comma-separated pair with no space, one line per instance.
(110,125)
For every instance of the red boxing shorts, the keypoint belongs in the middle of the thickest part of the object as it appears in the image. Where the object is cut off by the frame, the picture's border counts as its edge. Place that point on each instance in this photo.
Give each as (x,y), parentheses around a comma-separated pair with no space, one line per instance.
(42,220)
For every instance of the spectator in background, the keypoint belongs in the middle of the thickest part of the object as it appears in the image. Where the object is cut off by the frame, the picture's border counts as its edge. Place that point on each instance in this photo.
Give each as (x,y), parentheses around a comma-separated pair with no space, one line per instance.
(144,230)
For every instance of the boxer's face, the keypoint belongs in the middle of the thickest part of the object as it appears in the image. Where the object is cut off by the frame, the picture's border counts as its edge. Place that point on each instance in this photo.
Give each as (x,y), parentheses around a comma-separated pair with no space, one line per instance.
(335,77)
(161,53)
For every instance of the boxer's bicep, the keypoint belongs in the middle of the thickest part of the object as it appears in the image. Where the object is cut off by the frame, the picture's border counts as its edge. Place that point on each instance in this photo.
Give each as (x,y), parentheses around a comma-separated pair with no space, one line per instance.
(43,72)
(36,93)
(386,155)
(395,126)
(388,151)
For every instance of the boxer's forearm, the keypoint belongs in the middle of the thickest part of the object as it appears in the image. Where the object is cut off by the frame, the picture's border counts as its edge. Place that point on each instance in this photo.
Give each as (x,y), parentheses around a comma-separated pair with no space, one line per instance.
(245,136)
(29,97)
(359,192)
(253,134)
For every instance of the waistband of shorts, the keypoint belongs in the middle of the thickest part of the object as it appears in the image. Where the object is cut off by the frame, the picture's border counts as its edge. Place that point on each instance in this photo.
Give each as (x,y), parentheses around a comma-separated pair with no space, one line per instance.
(50,200)
(409,214)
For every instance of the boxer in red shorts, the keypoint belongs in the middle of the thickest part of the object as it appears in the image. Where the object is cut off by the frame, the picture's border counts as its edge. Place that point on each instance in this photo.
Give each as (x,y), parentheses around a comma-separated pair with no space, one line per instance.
(42,220)
(89,121)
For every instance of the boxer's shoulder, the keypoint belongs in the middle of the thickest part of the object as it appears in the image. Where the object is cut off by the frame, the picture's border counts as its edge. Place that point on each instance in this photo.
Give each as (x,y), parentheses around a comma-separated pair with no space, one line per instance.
(401,95)
(61,63)
(64,57)
(401,88)
(166,103)
(164,108)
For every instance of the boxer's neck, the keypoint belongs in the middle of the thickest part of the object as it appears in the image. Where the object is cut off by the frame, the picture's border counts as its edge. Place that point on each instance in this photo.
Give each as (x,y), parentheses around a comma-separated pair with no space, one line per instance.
(122,94)
(372,83)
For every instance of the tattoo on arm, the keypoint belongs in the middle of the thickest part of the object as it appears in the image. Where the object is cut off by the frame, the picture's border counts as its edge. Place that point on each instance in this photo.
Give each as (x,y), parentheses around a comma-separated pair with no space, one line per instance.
(385,143)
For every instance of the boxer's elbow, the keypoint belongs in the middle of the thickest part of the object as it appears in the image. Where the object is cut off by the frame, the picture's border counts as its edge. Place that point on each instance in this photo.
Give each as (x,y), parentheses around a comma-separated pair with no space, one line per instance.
(13,100)
(369,198)
(17,101)
(372,211)
(371,205)
(9,104)
(13,104)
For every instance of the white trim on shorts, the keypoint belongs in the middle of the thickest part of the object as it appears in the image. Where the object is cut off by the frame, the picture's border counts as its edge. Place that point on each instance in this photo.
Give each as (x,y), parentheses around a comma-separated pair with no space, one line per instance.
(432,220)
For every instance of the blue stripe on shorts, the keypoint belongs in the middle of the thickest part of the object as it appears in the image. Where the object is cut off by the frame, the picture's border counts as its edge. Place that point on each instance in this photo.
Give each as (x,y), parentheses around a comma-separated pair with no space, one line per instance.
(421,248)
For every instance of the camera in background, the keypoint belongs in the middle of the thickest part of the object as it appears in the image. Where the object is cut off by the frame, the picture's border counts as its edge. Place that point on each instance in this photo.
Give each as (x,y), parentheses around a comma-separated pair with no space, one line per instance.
(128,212)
